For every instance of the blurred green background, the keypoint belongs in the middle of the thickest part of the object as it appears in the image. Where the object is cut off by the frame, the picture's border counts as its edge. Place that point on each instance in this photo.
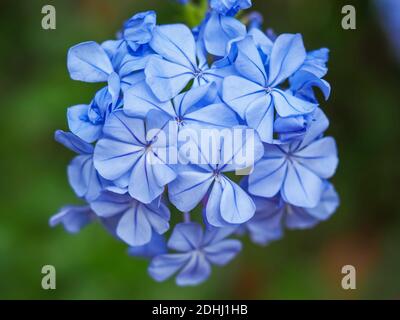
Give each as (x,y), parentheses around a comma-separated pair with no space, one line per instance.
(364,109)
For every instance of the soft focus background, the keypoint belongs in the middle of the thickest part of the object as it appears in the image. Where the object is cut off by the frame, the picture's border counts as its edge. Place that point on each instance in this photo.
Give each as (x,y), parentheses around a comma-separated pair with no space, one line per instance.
(364,109)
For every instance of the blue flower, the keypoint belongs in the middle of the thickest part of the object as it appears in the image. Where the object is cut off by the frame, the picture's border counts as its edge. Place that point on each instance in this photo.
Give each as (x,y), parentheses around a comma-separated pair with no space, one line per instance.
(219,32)
(155,247)
(136,221)
(227,202)
(196,251)
(295,128)
(82,175)
(229,7)
(256,94)
(109,62)
(273,215)
(178,63)
(129,155)
(195,108)
(74,218)
(86,121)
(296,170)
(138,30)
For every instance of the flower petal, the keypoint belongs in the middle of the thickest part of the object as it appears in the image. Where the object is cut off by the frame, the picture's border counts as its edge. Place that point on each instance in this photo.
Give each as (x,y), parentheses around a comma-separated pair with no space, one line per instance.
(187,190)
(73,218)
(222,252)
(139,100)
(195,272)
(219,30)
(81,126)
(175,42)
(89,62)
(236,205)
(288,105)
(248,62)
(164,266)
(166,79)
(239,93)
(186,237)
(287,55)
(320,157)
(302,187)
(73,142)
(260,116)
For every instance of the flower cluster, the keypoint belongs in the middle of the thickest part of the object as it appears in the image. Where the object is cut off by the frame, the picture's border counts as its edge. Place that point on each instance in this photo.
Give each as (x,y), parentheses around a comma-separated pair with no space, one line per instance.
(163,85)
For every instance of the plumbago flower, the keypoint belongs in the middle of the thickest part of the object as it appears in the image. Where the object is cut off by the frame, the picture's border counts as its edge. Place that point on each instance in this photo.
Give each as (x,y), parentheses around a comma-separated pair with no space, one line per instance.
(195,250)
(180,112)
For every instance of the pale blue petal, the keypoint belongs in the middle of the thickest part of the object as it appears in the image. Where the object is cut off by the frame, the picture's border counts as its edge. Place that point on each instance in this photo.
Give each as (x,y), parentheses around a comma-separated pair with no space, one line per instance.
(139,100)
(236,205)
(222,252)
(186,237)
(266,225)
(89,62)
(269,173)
(155,247)
(189,188)
(301,187)
(166,79)
(79,124)
(84,178)
(212,211)
(260,116)
(327,205)
(302,84)
(164,266)
(248,62)
(213,115)
(261,40)
(110,204)
(194,99)
(134,228)
(113,158)
(175,42)
(288,105)
(73,218)
(320,157)
(239,93)
(287,55)
(219,30)
(196,271)
(316,62)
(73,142)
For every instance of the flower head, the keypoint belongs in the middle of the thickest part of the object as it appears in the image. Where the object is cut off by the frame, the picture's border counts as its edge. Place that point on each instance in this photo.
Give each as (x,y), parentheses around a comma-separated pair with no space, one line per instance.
(196,251)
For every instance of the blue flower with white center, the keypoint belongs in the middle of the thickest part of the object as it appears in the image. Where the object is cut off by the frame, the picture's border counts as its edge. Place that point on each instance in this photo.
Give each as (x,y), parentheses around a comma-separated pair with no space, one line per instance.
(129,154)
(257,93)
(196,251)
(73,218)
(178,63)
(197,108)
(82,175)
(296,170)
(205,174)
(136,221)
(273,215)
